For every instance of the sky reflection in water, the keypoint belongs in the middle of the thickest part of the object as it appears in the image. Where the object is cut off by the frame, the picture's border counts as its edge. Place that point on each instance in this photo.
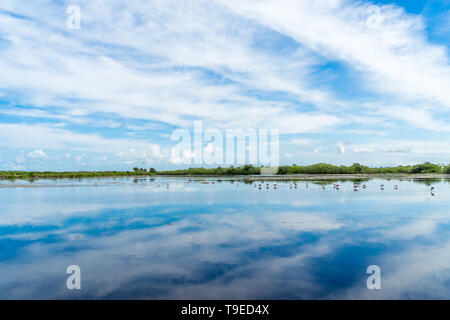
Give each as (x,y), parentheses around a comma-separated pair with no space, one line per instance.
(228,240)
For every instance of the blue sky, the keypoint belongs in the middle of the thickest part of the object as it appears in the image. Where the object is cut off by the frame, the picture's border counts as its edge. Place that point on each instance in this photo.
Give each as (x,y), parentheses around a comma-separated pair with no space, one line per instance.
(343,81)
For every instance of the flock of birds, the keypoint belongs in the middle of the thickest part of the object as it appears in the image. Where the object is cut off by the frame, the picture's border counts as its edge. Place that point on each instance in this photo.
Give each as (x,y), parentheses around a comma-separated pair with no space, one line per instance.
(335,187)
(294,185)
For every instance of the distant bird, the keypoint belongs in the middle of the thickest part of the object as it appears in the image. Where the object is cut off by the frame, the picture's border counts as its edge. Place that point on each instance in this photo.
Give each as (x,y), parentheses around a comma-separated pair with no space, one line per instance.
(432,188)
(364,186)
(396,187)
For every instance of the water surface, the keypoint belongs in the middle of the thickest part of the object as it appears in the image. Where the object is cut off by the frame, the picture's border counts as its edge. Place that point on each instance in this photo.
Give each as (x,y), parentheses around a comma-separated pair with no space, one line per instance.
(168,238)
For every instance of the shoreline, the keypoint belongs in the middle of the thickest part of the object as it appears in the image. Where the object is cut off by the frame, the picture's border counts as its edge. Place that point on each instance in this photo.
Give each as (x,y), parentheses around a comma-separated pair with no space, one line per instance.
(312,177)
(244,178)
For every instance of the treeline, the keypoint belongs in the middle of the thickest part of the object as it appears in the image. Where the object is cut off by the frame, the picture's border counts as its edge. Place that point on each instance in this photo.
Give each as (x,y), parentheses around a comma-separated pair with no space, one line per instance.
(27,175)
(244,170)
(320,168)
(356,168)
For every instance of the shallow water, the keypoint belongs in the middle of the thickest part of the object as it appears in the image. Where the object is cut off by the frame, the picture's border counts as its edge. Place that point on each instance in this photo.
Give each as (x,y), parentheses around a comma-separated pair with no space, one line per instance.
(227,240)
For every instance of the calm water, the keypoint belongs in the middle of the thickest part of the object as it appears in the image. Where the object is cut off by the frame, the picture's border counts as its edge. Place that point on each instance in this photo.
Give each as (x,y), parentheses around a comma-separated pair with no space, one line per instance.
(135,240)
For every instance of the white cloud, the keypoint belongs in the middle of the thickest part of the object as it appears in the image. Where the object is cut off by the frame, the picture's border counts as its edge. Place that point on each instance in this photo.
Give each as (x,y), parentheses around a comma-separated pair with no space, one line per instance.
(172,87)
(386,44)
(37,155)
(419,118)
(363,149)
(301,142)
(341,146)
(143,156)
(30,136)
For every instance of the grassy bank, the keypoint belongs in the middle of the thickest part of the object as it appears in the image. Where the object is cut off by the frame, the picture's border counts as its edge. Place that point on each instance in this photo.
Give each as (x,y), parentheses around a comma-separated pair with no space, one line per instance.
(27,175)
(316,169)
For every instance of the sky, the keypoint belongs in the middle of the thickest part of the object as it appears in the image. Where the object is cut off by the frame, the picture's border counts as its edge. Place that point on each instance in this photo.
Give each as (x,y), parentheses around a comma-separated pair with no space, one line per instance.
(343,81)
